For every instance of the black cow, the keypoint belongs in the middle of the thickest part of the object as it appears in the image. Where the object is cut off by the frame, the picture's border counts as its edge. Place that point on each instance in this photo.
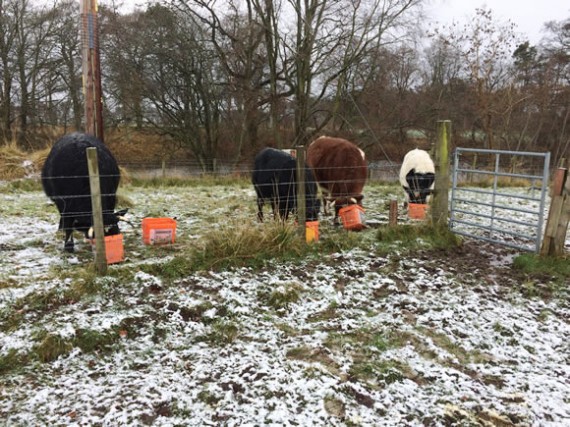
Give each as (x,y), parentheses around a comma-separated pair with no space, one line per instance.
(65,179)
(275,181)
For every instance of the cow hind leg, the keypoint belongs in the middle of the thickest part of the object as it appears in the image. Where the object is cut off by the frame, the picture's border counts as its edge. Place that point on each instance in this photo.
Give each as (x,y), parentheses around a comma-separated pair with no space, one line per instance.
(260,210)
(68,245)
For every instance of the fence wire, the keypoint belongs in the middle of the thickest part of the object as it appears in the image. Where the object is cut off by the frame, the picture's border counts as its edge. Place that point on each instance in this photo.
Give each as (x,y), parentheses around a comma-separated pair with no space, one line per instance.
(378,172)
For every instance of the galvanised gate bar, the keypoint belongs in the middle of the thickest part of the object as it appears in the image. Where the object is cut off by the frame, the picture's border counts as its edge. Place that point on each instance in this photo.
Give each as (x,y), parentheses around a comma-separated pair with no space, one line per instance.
(496,212)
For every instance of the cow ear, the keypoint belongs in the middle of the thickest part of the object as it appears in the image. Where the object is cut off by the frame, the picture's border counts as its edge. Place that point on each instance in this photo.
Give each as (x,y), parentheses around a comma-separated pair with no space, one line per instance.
(120,214)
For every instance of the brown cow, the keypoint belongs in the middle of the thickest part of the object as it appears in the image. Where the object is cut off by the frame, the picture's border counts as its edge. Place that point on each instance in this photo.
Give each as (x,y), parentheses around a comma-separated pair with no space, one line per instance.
(340,169)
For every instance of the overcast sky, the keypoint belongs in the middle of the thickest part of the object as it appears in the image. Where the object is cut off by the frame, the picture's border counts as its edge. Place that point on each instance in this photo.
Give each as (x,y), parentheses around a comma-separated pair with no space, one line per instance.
(528,15)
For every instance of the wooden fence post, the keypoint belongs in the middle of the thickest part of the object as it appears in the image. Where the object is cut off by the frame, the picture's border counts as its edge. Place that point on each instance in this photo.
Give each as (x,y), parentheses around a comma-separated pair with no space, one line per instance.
(439,206)
(558,216)
(393,213)
(91,69)
(301,196)
(94,184)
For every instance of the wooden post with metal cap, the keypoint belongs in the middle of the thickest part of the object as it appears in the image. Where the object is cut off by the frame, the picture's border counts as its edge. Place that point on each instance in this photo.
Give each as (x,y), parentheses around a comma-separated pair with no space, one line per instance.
(93,120)
(91,69)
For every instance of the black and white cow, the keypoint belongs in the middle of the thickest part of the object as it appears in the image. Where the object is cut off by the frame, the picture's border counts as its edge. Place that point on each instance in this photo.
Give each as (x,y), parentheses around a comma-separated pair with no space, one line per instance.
(65,179)
(275,181)
(417,175)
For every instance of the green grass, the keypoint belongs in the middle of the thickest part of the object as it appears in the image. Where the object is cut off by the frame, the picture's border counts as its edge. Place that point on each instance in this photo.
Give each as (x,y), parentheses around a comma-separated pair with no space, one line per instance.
(410,236)
(502,182)
(385,371)
(557,267)
(13,361)
(21,185)
(283,296)
(223,332)
(177,267)
(197,181)
(547,277)
(50,346)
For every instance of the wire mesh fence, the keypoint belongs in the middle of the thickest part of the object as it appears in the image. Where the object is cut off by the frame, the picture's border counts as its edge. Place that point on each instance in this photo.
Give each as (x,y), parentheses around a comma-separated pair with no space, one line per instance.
(376,202)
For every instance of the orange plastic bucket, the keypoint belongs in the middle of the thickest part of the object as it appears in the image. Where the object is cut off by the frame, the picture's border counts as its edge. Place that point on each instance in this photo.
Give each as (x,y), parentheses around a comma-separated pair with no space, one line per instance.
(352,217)
(417,210)
(158,231)
(114,249)
(312,231)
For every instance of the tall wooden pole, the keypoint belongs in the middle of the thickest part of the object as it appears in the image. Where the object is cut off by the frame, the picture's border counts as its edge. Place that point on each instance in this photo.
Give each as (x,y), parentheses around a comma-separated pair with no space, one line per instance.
(91,69)
(439,208)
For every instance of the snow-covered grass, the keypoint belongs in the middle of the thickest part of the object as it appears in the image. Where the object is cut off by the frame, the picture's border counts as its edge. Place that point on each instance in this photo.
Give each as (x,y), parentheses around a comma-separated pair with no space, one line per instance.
(362,336)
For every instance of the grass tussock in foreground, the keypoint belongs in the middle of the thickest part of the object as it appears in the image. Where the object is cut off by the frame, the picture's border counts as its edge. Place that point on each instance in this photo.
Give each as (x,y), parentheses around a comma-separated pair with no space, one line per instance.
(237,244)
(544,277)
(554,272)
(411,236)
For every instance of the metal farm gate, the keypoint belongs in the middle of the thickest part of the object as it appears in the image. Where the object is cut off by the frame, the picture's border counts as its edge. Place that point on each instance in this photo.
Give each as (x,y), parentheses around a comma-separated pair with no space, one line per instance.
(492,201)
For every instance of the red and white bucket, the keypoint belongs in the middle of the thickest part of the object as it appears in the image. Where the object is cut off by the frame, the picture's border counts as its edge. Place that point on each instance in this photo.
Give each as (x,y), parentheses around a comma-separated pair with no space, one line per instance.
(159,231)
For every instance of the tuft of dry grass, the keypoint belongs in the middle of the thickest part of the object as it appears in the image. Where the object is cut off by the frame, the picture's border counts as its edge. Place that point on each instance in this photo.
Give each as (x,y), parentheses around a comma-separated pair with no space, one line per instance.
(16,163)
(39,158)
(238,244)
(126,178)
(12,160)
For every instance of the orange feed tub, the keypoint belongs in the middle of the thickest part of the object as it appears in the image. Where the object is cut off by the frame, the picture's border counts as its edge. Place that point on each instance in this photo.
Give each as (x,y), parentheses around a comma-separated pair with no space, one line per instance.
(158,231)
(352,217)
(312,231)
(114,251)
(417,210)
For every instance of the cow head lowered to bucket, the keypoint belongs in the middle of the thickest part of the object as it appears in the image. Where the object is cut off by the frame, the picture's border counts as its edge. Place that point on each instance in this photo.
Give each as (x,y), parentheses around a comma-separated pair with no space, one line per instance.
(65,180)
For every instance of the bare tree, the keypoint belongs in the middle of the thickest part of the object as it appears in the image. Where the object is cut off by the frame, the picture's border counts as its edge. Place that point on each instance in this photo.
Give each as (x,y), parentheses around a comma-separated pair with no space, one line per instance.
(67,63)
(8,33)
(126,44)
(556,48)
(181,84)
(243,35)
(329,41)
(34,59)
(485,47)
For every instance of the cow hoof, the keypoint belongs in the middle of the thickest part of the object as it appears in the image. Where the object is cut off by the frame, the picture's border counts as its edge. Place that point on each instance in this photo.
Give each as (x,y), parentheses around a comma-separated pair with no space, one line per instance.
(69,248)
